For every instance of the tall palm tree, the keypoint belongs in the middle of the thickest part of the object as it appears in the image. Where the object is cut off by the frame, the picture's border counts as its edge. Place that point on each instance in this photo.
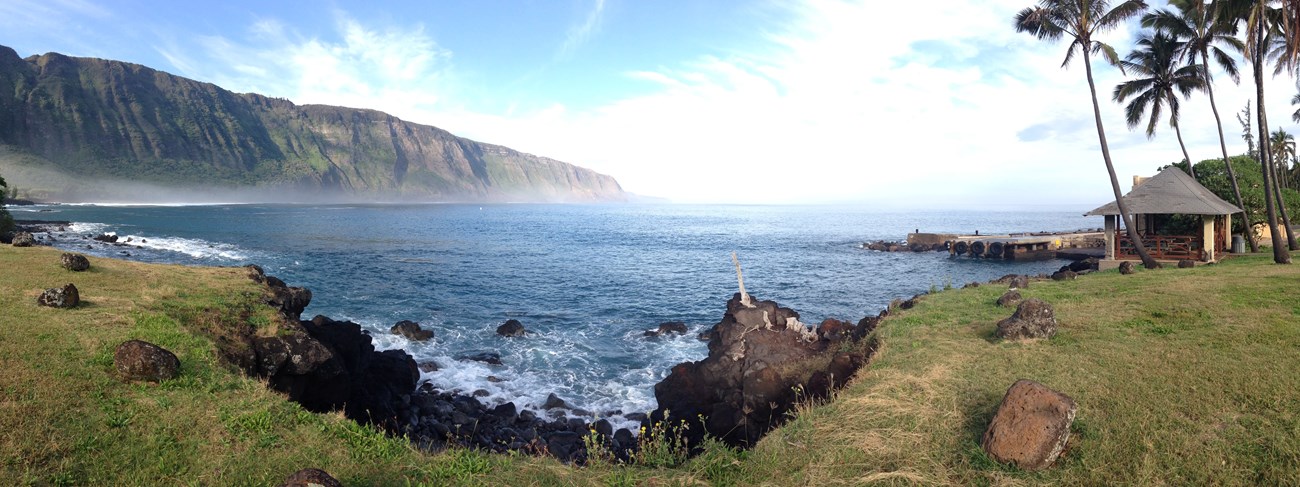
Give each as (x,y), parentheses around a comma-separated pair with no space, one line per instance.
(1196,25)
(1080,20)
(1159,82)
(1283,146)
(1260,19)
(1278,54)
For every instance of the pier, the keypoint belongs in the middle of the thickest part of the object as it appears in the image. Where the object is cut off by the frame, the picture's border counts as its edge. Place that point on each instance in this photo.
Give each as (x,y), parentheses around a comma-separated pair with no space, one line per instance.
(1017,246)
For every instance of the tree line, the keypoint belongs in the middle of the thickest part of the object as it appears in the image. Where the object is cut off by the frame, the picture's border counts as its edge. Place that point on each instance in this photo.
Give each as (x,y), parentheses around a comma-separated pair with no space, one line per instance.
(1172,60)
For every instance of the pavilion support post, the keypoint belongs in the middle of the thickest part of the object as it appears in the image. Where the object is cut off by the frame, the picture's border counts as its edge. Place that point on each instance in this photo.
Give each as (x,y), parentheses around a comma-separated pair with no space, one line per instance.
(1208,240)
(1110,237)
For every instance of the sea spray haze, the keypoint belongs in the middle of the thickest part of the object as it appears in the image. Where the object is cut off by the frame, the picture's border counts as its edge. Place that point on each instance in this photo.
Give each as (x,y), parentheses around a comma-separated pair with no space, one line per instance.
(586,280)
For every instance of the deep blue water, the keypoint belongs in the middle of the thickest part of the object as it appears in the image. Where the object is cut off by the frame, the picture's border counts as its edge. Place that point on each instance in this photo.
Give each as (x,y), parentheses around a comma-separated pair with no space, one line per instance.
(588,280)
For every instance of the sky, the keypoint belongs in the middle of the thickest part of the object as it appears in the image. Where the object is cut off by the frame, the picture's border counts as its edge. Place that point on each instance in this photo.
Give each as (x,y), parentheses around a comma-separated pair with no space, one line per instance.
(887,104)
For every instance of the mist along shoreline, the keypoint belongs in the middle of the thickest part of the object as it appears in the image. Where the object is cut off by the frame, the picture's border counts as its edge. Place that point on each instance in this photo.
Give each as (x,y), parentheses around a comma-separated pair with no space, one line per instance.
(392,397)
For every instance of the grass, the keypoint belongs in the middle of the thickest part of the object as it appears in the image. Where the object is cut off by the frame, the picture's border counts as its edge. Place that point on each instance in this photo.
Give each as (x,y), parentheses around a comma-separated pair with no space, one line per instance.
(1182,376)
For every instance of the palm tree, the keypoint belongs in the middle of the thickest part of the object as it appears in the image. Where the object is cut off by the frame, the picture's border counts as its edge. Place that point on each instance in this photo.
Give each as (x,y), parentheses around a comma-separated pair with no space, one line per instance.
(1259,19)
(1159,82)
(1080,20)
(1283,147)
(1202,35)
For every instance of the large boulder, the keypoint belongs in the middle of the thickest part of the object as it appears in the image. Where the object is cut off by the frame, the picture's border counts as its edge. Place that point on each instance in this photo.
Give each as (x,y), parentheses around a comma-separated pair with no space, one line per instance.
(144,361)
(105,237)
(411,330)
(311,477)
(1065,275)
(74,262)
(23,239)
(1010,298)
(761,360)
(1033,319)
(1019,282)
(1031,426)
(1126,267)
(60,297)
(511,328)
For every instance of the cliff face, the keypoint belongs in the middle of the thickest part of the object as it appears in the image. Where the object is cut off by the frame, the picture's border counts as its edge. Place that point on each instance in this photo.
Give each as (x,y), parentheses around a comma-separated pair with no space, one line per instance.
(91,118)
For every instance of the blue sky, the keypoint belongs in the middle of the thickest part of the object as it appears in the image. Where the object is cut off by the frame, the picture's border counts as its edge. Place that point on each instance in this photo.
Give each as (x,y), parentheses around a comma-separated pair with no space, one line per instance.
(784,101)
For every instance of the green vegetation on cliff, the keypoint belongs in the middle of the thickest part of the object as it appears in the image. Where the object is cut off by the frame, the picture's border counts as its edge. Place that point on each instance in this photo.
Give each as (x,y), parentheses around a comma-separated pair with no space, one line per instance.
(66,123)
(1182,376)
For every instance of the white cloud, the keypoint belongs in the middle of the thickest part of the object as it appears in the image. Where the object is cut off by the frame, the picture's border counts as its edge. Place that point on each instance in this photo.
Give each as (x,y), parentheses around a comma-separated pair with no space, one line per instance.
(402,71)
(845,101)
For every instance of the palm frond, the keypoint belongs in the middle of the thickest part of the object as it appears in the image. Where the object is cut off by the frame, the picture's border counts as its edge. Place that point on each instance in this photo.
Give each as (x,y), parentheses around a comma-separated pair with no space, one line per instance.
(1069,53)
(1107,53)
(1038,21)
(1111,19)
(1228,63)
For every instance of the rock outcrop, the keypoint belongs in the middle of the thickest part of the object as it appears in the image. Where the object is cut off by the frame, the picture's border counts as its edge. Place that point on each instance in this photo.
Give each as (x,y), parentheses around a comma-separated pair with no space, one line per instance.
(512,328)
(411,330)
(667,328)
(762,360)
(1031,427)
(60,297)
(1033,319)
(74,262)
(138,360)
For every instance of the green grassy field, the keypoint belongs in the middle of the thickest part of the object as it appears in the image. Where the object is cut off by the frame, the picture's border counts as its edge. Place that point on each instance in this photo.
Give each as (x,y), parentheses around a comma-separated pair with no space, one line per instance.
(1182,376)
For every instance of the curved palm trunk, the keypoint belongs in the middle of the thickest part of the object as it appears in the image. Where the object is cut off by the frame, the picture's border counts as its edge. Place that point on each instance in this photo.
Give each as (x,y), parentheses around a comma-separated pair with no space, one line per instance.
(1232,175)
(1179,133)
(1281,206)
(1280,255)
(1147,261)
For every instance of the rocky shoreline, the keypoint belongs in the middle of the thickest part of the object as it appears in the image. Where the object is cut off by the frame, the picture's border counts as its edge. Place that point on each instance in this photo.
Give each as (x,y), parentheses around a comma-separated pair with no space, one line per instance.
(327,365)
(762,362)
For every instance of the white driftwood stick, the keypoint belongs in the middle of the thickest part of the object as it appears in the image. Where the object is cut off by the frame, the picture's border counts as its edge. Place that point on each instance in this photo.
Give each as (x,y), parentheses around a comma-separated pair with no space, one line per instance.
(740,278)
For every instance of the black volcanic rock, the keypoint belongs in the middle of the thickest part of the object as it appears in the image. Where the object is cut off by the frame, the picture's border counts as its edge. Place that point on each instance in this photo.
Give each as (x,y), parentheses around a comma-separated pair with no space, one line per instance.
(761,360)
(512,328)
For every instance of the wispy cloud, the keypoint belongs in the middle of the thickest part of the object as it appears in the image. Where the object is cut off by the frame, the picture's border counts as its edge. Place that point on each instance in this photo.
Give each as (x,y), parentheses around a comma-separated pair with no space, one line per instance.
(580,33)
(397,69)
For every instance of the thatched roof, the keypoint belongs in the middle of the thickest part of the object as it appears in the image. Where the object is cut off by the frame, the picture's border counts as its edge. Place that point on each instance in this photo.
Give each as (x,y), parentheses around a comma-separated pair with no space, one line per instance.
(1171,191)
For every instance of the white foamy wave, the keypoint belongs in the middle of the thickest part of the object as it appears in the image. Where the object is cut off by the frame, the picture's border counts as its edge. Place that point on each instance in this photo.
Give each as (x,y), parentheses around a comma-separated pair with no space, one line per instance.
(166,204)
(193,247)
(86,227)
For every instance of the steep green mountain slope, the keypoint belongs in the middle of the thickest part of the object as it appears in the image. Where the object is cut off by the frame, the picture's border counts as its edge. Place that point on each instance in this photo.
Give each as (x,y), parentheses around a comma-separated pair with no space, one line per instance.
(82,127)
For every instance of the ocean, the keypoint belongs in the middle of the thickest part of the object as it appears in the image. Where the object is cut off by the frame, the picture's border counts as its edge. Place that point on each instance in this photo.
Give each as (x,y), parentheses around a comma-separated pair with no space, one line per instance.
(585,280)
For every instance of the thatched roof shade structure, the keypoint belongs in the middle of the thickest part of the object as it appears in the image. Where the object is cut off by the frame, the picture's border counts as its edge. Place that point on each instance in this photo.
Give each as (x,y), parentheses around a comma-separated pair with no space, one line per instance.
(1171,192)
(1168,193)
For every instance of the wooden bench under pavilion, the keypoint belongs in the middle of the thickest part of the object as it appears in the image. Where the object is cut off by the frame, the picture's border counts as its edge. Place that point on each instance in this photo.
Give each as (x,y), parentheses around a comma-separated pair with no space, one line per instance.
(1171,192)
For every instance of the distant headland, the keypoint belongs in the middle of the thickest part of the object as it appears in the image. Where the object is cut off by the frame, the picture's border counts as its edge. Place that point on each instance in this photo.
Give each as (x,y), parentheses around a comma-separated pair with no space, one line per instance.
(84,129)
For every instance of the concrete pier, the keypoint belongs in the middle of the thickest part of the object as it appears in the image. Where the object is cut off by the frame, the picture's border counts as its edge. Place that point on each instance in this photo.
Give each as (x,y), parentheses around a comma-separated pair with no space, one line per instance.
(1016,246)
